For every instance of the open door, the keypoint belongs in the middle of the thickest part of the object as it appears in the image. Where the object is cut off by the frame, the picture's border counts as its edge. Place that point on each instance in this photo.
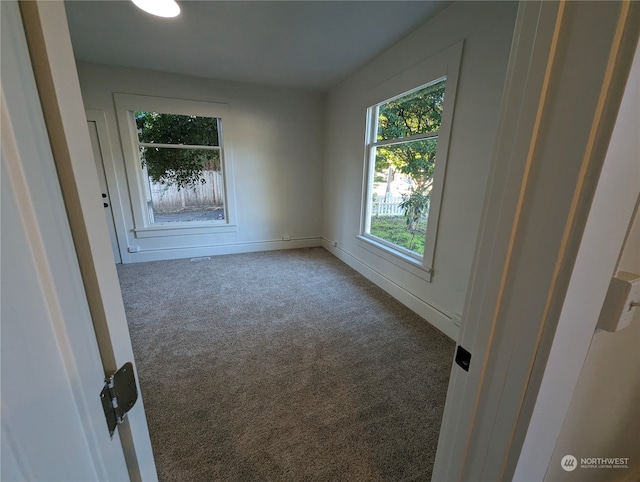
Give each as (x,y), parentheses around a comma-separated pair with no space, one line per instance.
(53,424)
(51,54)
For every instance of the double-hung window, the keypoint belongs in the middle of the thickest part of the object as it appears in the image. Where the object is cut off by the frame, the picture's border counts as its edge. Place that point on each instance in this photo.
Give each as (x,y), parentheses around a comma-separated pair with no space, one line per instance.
(177,165)
(181,162)
(406,152)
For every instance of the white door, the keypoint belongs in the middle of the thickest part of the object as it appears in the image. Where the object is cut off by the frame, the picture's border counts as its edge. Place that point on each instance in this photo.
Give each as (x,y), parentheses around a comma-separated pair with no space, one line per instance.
(96,144)
(63,321)
(53,426)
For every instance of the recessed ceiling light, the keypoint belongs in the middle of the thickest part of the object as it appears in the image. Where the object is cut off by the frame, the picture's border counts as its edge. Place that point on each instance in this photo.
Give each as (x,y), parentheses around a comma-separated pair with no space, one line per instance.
(160,8)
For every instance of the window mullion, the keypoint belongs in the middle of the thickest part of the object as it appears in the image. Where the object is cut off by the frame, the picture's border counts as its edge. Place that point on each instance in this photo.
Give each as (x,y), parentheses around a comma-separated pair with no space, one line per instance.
(399,140)
(178,146)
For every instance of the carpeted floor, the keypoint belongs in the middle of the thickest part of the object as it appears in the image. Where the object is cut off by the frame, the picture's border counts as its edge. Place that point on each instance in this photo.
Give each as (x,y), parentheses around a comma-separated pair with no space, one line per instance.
(283,366)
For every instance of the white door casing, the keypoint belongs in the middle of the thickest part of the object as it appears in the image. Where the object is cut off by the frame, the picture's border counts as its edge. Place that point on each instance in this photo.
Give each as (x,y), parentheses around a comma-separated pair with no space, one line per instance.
(563,90)
(104,189)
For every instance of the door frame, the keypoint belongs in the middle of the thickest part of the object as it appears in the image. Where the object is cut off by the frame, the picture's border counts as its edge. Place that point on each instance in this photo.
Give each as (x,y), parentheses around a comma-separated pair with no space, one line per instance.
(104,139)
(54,67)
(611,220)
(542,181)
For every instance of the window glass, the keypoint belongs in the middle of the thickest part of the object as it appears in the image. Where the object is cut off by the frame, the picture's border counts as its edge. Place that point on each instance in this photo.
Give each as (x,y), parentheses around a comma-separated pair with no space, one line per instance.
(402,171)
(154,127)
(416,113)
(181,160)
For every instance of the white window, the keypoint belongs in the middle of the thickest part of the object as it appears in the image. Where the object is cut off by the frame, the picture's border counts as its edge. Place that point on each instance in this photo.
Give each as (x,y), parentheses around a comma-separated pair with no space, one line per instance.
(176,158)
(181,161)
(406,152)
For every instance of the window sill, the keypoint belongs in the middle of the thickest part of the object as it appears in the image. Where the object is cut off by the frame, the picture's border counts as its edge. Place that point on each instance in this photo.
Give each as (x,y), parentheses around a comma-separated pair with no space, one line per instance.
(182,229)
(403,261)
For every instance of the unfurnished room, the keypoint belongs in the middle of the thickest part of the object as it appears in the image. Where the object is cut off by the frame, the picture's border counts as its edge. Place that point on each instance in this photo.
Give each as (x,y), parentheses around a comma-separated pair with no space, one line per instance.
(320,240)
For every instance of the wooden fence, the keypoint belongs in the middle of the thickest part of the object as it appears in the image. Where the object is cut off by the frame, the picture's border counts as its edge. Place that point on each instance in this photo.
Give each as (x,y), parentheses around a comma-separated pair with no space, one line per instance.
(170,199)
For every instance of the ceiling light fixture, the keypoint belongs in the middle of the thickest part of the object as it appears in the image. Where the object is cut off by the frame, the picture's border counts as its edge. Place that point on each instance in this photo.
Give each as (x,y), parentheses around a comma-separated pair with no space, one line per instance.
(160,8)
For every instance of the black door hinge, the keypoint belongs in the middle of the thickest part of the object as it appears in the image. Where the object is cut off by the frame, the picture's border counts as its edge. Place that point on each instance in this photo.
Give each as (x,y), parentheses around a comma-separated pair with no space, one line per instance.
(118,396)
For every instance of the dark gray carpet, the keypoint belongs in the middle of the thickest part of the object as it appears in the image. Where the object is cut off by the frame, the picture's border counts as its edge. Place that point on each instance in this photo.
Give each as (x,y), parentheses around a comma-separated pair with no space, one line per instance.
(283,366)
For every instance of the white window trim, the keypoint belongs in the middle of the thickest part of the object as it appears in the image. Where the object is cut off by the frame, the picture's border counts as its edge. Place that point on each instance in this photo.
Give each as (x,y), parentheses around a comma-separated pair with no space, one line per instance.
(126,104)
(445,64)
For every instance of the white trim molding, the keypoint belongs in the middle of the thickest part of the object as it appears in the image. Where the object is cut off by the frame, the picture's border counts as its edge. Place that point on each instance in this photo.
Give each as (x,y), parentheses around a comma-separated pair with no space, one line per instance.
(443,65)
(126,104)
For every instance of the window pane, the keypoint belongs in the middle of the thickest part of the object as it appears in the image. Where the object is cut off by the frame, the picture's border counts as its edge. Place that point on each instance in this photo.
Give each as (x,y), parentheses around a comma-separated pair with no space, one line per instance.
(183,184)
(177,129)
(403,178)
(417,113)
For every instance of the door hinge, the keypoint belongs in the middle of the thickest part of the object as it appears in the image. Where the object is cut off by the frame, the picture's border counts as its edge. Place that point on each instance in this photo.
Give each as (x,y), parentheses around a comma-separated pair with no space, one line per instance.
(118,396)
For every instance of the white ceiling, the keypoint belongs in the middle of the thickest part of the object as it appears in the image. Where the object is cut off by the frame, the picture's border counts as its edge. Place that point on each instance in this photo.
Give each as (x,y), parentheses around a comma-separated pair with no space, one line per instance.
(303,44)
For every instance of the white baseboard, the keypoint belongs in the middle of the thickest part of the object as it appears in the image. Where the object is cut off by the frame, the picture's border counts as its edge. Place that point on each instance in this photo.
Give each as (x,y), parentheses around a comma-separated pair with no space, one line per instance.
(236,248)
(442,321)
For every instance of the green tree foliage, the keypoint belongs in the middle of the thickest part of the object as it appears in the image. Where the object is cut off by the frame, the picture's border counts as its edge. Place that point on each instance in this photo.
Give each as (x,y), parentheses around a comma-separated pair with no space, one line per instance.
(416,113)
(174,166)
(416,208)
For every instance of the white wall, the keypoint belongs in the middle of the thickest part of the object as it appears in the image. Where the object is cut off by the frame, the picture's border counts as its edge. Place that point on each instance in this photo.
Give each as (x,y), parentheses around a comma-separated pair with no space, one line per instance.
(606,401)
(275,141)
(604,417)
(486,29)
(630,256)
